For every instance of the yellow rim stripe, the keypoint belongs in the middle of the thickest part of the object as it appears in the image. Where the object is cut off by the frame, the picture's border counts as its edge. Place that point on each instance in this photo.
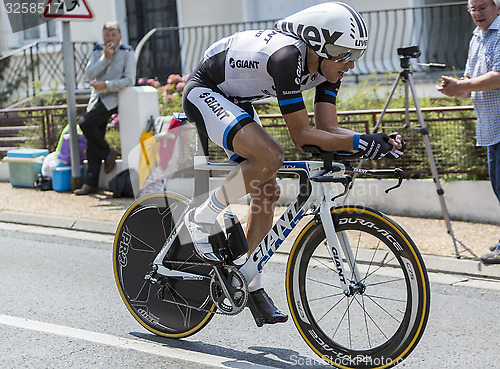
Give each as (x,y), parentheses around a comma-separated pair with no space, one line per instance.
(294,248)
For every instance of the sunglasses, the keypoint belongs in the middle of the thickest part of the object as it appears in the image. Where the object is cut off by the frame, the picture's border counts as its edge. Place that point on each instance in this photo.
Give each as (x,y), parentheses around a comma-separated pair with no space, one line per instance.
(341,54)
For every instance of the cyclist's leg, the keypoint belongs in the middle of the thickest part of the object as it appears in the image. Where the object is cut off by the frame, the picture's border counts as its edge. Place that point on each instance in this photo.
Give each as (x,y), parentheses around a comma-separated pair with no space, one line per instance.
(261,212)
(264,157)
(260,220)
(237,130)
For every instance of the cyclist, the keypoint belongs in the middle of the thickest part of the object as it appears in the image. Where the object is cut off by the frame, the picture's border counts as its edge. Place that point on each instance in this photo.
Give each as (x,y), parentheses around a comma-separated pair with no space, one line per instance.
(311,48)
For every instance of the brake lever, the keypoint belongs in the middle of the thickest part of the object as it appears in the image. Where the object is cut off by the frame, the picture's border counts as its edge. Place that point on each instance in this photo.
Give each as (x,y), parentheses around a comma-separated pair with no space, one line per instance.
(346,181)
(399,175)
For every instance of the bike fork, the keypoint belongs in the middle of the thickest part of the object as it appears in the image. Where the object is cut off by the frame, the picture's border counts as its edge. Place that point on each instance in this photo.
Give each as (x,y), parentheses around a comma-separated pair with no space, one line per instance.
(337,241)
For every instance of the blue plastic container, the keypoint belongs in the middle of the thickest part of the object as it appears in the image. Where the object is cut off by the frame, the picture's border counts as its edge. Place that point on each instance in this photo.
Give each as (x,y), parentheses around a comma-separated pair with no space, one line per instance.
(25,165)
(61,178)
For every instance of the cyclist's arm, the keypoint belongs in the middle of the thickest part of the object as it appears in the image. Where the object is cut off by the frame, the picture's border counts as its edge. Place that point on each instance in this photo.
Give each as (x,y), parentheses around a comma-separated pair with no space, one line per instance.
(326,119)
(332,137)
(302,134)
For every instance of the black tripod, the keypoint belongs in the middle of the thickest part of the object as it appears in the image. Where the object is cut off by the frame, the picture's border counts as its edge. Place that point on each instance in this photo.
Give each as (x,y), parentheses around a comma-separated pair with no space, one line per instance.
(405,76)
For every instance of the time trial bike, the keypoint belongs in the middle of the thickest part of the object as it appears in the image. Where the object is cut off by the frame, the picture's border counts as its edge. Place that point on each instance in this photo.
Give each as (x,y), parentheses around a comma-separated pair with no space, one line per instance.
(356,284)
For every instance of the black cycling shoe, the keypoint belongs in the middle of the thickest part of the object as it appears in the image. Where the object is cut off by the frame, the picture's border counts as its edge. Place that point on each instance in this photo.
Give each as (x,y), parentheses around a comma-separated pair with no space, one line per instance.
(495,246)
(269,313)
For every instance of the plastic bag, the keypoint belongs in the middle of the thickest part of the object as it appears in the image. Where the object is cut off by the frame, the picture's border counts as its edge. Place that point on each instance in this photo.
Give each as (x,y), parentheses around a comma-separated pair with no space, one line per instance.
(49,163)
(64,149)
(121,185)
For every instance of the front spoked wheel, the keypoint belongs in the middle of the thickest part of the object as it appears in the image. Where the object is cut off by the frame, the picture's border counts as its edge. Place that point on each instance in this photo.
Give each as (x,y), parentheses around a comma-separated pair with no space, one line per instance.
(379,320)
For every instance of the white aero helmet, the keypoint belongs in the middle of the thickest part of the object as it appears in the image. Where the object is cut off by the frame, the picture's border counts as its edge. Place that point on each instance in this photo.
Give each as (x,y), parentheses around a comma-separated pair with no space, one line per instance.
(333,30)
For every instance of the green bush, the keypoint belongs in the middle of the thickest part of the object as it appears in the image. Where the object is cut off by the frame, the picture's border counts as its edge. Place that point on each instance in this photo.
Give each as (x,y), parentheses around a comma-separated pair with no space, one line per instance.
(452,134)
(57,119)
(113,139)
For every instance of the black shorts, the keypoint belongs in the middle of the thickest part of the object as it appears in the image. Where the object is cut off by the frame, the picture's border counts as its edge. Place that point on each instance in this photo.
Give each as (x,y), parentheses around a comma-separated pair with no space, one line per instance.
(215,116)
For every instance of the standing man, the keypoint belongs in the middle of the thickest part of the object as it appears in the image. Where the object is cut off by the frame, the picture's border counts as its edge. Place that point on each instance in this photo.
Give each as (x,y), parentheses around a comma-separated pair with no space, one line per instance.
(481,81)
(111,68)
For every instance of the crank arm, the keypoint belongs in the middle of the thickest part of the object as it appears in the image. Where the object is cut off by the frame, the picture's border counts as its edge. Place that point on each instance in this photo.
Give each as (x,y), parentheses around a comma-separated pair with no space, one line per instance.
(226,286)
(165,272)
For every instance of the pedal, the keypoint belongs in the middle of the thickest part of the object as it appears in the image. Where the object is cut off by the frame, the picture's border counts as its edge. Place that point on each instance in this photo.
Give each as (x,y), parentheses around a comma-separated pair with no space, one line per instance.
(255,313)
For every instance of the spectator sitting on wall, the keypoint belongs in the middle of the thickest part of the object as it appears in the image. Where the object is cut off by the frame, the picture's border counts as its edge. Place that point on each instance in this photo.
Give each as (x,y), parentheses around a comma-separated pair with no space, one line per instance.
(111,68)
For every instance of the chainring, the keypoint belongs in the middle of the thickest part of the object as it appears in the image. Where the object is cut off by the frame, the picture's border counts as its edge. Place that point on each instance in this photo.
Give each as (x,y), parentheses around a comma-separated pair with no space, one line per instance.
(237,290)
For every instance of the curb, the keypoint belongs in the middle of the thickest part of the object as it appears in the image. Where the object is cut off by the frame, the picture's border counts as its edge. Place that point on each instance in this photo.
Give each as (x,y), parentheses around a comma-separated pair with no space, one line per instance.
(74,224)
(435,264)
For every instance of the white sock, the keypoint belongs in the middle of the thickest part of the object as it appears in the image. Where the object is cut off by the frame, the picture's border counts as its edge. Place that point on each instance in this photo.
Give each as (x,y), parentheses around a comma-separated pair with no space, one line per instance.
(256,283)
(209,210)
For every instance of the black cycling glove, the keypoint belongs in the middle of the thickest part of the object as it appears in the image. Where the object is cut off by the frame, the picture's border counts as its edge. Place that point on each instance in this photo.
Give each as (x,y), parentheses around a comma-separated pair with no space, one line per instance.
(398,152)
(374,146)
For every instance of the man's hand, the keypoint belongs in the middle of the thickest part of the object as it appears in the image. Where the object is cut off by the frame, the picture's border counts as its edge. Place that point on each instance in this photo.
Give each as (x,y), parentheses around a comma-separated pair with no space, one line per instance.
(375,146)
(451,87)
(109,49)
(98,85)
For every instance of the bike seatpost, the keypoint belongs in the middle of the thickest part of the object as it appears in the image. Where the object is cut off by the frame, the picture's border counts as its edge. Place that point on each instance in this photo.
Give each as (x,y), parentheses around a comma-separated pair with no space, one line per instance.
(201,177)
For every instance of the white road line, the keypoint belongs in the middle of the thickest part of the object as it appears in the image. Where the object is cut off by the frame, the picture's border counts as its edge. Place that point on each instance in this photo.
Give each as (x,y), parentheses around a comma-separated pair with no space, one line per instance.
(126,343)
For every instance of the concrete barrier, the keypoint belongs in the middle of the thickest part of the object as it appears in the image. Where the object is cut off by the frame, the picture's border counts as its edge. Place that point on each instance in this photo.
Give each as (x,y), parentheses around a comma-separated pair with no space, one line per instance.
(465,200)
(136,105)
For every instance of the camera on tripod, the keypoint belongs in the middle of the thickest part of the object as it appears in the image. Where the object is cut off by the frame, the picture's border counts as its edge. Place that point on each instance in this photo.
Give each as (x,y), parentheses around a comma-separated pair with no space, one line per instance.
(406,53)
(409,52)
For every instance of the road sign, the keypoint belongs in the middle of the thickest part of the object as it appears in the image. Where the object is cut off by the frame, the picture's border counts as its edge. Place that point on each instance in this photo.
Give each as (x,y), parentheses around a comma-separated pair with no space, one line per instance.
(67,10)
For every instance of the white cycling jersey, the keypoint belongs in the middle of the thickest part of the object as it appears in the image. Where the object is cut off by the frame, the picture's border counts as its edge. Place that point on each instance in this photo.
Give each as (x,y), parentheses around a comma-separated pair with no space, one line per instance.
(246,67)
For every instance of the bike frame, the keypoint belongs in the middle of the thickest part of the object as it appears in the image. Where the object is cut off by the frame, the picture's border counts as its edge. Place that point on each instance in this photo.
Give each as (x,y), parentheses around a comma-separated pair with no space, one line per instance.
(312,195)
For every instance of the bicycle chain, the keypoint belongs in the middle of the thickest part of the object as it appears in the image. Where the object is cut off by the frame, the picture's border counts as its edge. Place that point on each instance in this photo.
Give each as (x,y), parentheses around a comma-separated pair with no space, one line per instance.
(190,263)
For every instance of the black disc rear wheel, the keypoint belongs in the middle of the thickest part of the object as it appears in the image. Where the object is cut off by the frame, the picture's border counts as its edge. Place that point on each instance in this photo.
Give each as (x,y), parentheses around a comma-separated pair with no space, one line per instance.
(178,307)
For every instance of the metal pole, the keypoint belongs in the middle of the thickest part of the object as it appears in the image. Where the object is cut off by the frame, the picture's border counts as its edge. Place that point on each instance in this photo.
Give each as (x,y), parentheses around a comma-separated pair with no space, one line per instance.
(375,130)
(439,189)
(386,106)
(69,79)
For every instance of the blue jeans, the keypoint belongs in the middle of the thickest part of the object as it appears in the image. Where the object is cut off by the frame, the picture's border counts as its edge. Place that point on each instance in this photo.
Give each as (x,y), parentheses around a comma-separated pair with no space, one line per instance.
(494,167)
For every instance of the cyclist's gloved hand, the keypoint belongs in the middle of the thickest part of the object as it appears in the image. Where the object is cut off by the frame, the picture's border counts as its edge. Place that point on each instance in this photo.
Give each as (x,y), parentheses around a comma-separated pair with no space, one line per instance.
(398,152)
(373,146)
